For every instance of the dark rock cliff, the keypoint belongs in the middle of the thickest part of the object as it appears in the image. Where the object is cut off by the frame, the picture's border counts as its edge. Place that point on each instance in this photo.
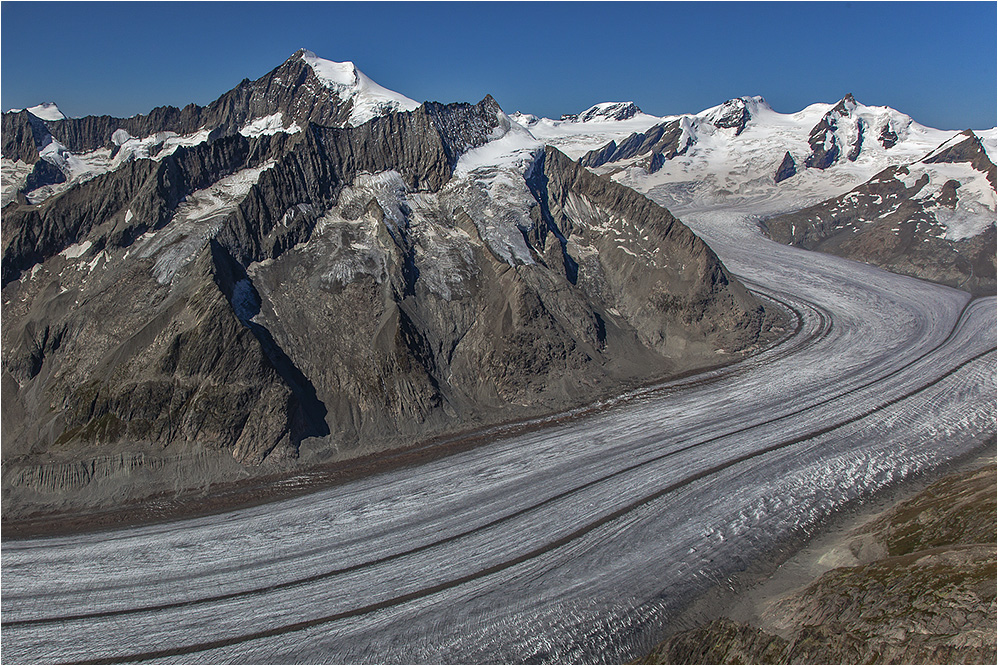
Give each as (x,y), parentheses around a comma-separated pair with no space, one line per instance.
(20,140)
(733,114)
(788,168)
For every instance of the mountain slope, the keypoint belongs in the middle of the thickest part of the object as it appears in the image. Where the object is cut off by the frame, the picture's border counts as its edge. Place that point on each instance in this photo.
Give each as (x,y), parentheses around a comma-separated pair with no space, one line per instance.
(934,218)
(283,298)
(819,172)
(918,587)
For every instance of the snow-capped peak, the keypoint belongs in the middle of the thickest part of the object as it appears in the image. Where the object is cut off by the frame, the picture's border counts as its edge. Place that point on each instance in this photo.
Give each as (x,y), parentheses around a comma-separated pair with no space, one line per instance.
(846,105)
(44,111)
(524,119)
(369,99)
(752,104)
(735,113)
(604,111)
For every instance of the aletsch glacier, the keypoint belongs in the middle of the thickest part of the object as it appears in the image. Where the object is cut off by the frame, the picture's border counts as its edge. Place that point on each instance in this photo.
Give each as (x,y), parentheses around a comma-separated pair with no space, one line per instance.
(542,546)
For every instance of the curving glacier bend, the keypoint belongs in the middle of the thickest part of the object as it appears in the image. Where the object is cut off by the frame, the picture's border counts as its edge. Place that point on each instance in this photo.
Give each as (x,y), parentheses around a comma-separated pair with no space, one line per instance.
(569,543)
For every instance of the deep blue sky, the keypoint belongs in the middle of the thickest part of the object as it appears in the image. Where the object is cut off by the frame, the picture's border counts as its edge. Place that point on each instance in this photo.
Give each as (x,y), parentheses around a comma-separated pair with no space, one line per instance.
(933,61)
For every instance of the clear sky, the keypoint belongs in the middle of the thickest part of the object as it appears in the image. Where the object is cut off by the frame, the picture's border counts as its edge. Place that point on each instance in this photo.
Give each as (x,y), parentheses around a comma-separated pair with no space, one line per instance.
(933,61)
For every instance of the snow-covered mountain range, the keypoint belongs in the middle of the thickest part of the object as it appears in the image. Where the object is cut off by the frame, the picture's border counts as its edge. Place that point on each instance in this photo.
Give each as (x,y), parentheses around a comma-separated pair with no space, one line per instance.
(743,153)
(738,150)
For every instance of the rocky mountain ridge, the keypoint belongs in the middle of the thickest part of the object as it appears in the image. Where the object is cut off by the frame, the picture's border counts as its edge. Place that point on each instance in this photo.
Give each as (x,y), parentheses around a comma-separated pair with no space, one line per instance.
(304,89)
(604,111)
(314,292)
(934,218)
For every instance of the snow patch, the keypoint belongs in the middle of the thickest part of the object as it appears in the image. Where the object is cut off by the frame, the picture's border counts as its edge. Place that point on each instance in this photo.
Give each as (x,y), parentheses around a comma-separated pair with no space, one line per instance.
(968,219)
(155,146)
(989,140)
(13,175)
(268,125)
(76,251)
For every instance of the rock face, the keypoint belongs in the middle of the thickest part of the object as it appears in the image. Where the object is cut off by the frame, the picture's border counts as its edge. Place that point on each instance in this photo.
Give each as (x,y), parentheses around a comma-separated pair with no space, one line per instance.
(788,168)
(284,298)
(838,134)
(933,219)
(604,111)
(665,140)
(19,141)
(928,598)
(733,114)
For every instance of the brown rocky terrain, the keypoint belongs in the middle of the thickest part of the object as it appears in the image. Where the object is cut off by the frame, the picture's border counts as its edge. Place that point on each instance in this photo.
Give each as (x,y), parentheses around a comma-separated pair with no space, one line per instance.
(920,588)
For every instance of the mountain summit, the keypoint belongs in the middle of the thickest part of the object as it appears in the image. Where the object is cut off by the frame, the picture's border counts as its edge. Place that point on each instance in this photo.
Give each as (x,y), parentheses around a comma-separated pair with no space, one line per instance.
(366,98)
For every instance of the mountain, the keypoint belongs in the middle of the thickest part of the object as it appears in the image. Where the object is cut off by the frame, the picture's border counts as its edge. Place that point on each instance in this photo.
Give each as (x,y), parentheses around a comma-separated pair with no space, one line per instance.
(246,292)
(934,218)
(819,137)
(831,178)
(577,133)
(44,111)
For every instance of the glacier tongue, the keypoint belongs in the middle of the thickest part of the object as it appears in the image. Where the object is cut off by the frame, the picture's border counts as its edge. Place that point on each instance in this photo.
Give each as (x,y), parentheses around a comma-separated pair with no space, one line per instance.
(197,220)
(490,183)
